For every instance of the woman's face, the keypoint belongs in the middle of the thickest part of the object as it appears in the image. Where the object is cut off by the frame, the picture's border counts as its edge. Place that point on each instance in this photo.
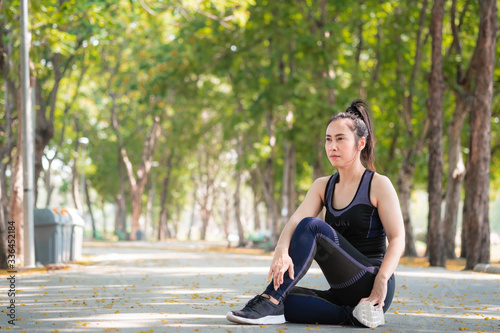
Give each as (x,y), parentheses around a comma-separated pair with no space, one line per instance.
(340,143)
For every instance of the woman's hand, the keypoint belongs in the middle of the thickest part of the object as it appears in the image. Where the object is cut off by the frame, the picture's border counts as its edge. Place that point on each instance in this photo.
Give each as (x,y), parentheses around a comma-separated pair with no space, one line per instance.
(281,263)
(378,294)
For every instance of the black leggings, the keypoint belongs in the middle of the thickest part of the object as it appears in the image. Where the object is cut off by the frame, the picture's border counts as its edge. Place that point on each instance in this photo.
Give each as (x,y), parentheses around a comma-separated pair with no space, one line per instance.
(349,273)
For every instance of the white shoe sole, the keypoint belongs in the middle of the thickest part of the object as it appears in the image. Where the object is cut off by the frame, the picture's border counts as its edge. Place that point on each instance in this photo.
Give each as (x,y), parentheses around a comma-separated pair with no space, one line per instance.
(268,320)
(369,315)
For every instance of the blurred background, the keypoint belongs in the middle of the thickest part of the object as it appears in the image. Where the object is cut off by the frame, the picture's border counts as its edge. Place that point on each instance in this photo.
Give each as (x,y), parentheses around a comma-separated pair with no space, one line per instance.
(205,120)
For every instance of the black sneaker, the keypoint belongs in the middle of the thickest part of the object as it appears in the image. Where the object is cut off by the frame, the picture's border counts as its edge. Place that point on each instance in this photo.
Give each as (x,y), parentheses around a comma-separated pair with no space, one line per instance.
(259,311)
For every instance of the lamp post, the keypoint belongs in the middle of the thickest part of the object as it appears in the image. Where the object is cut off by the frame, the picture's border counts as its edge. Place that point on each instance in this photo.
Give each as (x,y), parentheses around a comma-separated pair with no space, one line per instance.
(83,141)
(27,140)
(152,179)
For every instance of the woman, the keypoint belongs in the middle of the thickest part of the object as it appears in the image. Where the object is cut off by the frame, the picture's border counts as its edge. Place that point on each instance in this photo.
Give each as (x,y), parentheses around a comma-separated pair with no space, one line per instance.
(362,210)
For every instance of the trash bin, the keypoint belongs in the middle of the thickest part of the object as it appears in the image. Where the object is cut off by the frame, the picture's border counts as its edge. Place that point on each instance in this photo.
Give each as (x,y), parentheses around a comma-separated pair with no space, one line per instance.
(50,229)
(77,225)
(66,222)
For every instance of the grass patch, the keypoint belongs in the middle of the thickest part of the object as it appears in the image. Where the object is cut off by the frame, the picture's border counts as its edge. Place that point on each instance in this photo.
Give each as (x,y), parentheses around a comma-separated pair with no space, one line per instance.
(451,264)
(238,250)
(24,270)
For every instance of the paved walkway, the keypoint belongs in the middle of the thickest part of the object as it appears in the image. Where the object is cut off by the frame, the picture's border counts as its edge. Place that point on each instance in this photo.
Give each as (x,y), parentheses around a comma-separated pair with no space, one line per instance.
(141,287)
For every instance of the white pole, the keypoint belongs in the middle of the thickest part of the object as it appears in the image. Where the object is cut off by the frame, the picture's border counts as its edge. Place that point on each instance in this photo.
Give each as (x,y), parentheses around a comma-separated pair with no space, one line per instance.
(27,140)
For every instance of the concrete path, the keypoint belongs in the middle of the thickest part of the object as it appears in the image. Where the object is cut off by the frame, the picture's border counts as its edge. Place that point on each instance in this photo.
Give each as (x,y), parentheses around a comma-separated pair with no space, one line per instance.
(169,287)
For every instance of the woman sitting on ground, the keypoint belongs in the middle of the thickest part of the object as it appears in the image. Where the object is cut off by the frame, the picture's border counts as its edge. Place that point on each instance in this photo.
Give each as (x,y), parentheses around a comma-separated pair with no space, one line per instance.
(362,210)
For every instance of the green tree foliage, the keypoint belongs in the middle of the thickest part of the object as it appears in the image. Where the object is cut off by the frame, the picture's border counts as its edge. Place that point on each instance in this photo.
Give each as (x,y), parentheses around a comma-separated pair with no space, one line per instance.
(224,77)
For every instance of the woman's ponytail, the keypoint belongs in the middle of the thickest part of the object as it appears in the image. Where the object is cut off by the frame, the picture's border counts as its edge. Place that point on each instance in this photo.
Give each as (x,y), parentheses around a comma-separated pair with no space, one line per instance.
(368,153)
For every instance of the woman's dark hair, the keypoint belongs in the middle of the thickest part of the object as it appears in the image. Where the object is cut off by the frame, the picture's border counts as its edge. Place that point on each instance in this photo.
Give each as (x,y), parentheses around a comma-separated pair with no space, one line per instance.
(362,127)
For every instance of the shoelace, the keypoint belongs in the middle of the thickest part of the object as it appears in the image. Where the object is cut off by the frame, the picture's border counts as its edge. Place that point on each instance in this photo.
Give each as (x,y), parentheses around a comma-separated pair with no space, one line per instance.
(254,301)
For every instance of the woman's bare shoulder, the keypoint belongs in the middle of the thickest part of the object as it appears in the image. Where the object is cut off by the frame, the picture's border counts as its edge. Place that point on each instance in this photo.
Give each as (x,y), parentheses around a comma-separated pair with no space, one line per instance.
(381,181)
(318,187)
(381,187)
(323,180)
(320,183)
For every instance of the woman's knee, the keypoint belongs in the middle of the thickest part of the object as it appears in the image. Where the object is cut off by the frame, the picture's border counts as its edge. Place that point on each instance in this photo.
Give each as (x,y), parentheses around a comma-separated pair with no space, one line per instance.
(309,221)
(305,226)
(312,223)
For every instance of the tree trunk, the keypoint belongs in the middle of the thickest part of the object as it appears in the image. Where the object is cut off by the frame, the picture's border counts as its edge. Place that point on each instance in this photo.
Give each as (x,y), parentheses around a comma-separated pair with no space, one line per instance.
(465,212)
(317,164)
(138,179)
(121,205)
(484,254)
(205,218)
(225,216)
(404,189)
(288,182)
(49,188)
(207,178)
(5,154)
(456,173)
(3,235)
(404,182)
(4,200)
(11,207)
(452,197)
(237,211)
(44,130)
(163,232)
(75,185)
(10,97)
(118,223)
(478,162)
(253,181)
(16,196)
(271,204)
(193,211)
(267,180)
(89,207)
(179,209)
(102,208)
(292,193)
(435,177)
(257,224)
(148,219)
(136,198)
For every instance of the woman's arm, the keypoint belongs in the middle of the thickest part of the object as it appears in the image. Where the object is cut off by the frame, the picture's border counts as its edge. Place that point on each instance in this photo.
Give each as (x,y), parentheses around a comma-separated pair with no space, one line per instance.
(310,207)
(385,198)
